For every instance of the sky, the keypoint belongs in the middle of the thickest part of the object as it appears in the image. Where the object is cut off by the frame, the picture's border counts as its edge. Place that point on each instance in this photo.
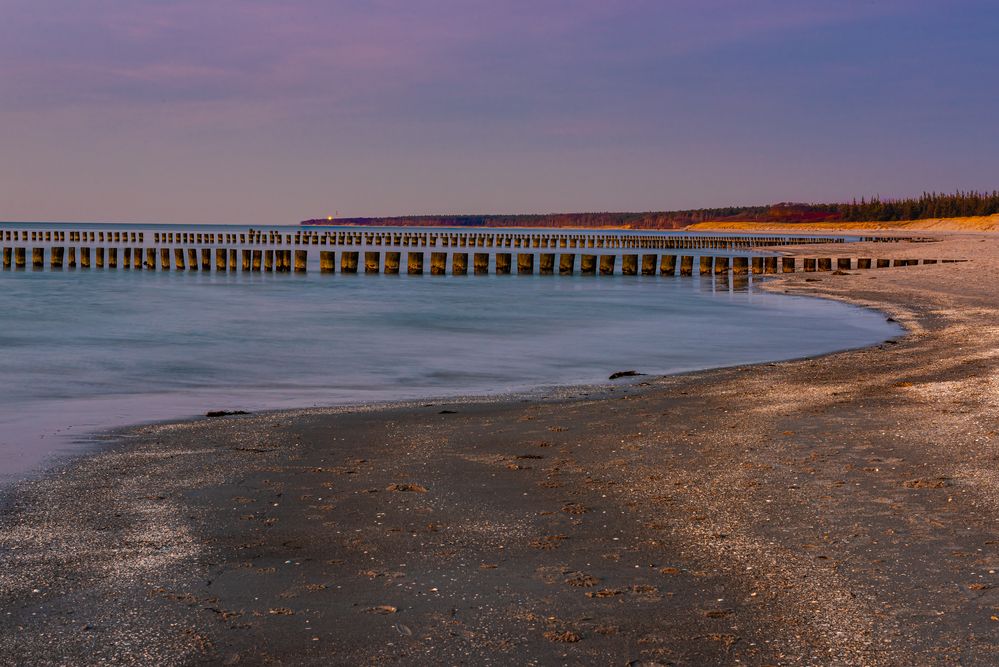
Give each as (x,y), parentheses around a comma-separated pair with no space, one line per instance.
(268,112)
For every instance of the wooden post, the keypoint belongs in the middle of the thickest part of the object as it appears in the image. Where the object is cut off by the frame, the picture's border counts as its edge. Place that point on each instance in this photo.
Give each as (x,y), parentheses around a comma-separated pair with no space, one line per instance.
(607,264)
(84,257)
(58,254)
(438,263)
(220,260)
(246,255)
(233,260)
(372,262)
(459,264)
(588,264)
(99,259)
(566,264)
(667,265)
(629,265)
(257,260)
(503,262)
(8,257)
(301,260)
(178,259)
(38,258)
(269,260)
(546,264)
(192,259)
(757,266)
(414,264)
(348,261)
(327,261)
(525,263)
(71,260)
(393,260)
(705,266)
(480,263)
(721,265)
(649,265)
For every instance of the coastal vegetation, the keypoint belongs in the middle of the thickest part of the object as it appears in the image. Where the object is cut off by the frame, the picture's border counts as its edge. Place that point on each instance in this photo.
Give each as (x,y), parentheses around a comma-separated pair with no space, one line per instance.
(926,206)
(929,205)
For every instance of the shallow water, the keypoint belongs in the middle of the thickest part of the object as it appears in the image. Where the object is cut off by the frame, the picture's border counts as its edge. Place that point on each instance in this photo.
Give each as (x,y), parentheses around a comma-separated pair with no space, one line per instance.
(88,350)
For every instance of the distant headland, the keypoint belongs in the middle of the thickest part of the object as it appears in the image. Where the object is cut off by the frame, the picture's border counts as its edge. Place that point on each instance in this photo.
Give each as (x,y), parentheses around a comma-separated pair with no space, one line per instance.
(929,205)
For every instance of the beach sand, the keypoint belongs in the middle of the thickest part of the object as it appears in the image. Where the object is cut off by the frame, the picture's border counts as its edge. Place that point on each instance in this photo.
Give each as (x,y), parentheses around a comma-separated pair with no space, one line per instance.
(984,223)
(837,510)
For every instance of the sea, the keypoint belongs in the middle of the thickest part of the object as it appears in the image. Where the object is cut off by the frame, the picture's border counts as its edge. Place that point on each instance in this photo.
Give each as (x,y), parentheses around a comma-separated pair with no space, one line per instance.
(86,351)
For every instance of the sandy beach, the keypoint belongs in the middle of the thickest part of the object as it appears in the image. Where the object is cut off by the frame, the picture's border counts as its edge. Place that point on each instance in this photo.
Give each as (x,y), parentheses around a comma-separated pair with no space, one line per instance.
(837,511)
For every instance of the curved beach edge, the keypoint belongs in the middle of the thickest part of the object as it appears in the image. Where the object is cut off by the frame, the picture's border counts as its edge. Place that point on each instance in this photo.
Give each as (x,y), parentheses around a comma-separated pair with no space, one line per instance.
(832,509)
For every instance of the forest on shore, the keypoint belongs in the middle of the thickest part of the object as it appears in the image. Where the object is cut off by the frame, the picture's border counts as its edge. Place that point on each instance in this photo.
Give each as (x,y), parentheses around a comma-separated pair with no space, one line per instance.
(928,205)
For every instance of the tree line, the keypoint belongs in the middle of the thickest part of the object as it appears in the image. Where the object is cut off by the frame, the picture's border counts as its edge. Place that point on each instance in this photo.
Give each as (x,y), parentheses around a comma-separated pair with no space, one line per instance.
(928,205)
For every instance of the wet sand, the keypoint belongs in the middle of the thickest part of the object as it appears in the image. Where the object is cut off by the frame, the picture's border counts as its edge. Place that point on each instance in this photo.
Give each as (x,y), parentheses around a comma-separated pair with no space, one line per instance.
(837,510)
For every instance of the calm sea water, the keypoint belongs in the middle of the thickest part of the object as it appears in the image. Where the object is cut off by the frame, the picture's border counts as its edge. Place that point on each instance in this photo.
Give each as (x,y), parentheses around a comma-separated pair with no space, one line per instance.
(82,351)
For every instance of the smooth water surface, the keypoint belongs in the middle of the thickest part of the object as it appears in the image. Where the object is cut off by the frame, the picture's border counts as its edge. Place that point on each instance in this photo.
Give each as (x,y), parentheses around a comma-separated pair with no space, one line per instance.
(82,351)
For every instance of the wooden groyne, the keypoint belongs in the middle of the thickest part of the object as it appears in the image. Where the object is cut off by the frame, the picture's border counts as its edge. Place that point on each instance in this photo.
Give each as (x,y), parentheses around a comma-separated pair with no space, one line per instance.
(425,239)
(437,252)
(269,260)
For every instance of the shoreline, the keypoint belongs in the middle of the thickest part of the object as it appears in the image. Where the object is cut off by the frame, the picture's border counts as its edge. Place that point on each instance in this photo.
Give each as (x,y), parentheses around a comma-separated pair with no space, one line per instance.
(104,439)
(497,554)
(59,431)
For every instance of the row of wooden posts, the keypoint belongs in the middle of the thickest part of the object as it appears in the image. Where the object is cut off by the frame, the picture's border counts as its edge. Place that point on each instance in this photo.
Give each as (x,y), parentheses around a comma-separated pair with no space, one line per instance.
(180,259)
(427,239)
(283,261)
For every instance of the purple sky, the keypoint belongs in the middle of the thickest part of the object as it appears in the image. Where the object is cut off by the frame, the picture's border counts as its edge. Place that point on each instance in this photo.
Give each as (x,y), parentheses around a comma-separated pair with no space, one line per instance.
(269,112)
